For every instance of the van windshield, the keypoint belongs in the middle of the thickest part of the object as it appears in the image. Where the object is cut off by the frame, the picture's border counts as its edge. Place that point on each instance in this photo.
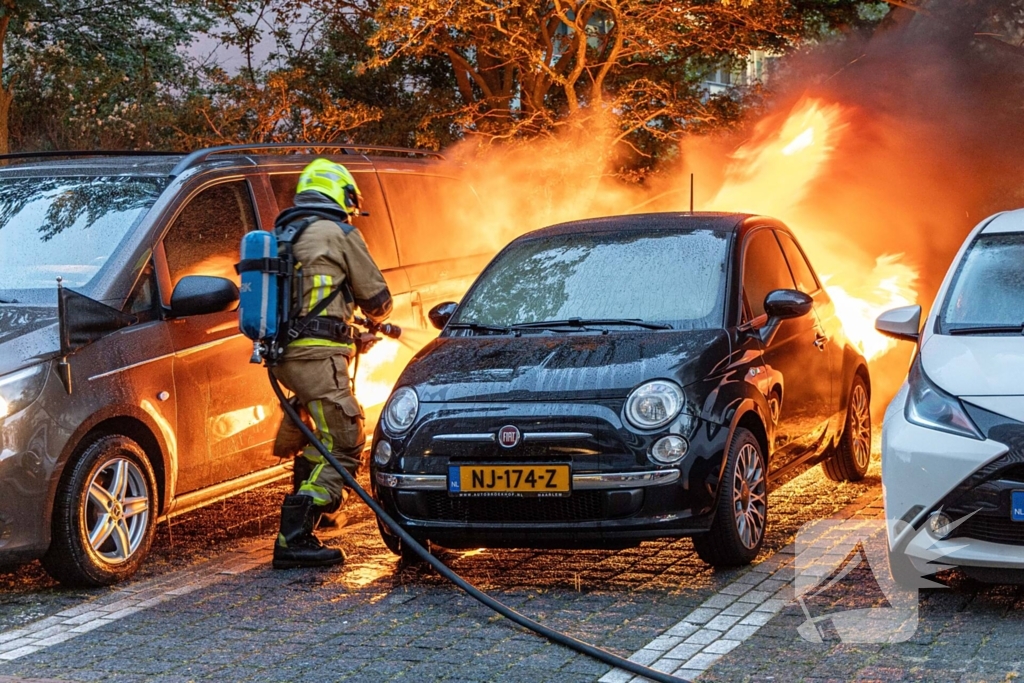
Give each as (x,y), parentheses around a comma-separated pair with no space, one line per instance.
(66,227)
(673,278)
(987,292)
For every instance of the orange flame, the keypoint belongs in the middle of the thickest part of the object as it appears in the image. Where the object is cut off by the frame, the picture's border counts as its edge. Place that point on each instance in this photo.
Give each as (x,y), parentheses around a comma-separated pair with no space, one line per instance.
(783,171)
(773,173)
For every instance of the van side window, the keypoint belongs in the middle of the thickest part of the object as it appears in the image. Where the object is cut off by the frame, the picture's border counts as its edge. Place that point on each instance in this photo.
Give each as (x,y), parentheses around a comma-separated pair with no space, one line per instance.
(142,301)
(436,218)
(375,228)
(764,270)
(205,237)
(802,273)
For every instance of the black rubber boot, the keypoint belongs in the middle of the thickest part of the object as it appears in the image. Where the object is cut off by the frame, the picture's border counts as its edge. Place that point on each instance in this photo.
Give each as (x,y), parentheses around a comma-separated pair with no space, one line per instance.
(296,545)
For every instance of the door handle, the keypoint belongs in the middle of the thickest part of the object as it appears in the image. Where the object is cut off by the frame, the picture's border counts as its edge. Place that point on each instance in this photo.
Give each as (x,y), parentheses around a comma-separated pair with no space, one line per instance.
(820,340)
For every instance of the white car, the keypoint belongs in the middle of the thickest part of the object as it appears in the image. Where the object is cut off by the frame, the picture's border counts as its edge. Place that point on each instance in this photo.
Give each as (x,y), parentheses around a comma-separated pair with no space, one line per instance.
(953,437)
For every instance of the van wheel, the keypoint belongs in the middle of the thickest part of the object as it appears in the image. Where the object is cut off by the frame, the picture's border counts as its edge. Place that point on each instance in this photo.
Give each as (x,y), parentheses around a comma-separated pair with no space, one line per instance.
(741,516)
(398,547)
(850,460)
(104,516)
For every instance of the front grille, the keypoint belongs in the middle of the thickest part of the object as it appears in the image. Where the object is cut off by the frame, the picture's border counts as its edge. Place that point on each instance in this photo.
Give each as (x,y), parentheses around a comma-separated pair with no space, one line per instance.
(993,529)
(580,506)
(1014,473)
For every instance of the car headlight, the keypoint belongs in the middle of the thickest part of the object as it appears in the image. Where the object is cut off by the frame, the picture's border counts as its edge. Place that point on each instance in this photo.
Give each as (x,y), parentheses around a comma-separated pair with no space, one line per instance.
(20,388)
(401,410)
(931,407)
(654,404)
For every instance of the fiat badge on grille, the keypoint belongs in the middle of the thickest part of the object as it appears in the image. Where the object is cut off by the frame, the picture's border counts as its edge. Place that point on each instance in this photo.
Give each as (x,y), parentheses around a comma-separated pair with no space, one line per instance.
(508,436)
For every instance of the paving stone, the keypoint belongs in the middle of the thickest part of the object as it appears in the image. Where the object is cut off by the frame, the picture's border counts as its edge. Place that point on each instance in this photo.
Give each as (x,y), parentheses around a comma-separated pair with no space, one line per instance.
(703,637)
(721,647)
(685,651)
(722,622)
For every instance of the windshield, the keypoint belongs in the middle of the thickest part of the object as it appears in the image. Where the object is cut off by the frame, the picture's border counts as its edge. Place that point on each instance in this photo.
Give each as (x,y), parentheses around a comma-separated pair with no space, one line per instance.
(65,226)
(988,288)
(675,278)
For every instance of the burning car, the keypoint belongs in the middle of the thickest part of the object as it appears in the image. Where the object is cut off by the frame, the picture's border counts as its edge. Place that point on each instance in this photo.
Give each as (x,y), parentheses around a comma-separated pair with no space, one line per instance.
(952,458)
(612,380)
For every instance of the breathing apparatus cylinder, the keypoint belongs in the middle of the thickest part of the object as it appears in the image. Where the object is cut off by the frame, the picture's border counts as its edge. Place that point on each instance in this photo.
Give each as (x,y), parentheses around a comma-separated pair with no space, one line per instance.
(257,295)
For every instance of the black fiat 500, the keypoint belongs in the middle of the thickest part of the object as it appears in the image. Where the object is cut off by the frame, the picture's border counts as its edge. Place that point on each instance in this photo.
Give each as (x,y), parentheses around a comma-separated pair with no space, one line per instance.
(618,379)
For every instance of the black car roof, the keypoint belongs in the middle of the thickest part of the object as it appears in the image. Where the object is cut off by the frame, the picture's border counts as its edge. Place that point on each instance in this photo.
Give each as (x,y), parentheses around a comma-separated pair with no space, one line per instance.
(647,222)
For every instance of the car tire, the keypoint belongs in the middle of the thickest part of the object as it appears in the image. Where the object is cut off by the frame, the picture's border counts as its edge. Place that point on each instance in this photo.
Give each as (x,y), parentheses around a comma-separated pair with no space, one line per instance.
(741,515)
(850,459)
(104,515)
(397,546)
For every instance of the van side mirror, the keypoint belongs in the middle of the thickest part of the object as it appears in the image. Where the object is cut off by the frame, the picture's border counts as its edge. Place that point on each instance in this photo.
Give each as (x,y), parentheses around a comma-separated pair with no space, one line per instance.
(787,303)
(202,294)
(902,323)
(440,314)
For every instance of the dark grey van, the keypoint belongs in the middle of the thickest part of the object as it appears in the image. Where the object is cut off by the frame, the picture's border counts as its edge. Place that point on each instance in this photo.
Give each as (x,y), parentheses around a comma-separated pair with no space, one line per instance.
(166,414)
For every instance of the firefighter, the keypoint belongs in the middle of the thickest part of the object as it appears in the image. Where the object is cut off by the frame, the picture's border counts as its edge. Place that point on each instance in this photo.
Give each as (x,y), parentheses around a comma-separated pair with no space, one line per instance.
(333,256)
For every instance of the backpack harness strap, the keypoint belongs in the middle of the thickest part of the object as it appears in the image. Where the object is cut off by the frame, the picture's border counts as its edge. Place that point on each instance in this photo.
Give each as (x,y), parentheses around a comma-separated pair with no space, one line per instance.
(272,266)
(311,324)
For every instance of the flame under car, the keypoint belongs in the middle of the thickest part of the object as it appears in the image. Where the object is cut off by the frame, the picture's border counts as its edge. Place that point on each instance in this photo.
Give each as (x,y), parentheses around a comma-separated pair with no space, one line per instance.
(618,379)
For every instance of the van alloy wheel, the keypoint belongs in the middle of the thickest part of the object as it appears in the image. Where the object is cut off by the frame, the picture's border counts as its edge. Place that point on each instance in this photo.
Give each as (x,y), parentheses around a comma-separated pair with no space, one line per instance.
(116,512)
(104,513)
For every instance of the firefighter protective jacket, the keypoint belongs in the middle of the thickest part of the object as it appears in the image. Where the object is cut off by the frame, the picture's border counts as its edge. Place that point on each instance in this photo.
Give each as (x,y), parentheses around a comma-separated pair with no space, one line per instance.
(329,257)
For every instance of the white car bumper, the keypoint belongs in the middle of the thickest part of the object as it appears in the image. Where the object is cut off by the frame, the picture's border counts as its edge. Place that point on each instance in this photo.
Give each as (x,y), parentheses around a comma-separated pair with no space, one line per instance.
(919,468)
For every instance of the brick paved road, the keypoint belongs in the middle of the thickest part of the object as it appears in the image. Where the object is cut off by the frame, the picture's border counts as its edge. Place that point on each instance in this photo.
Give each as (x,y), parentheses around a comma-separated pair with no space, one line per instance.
(215,611)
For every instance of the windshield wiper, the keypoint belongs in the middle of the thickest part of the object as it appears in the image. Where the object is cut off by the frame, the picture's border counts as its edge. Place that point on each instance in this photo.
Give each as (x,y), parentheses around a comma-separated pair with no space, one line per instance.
(584,322)
(478,327)
(986,329)
(8,301)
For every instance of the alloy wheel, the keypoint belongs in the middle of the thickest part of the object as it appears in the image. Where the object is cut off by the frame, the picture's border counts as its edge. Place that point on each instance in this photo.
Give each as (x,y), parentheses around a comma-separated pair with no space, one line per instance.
(749,496)
(116,510)
(860,426)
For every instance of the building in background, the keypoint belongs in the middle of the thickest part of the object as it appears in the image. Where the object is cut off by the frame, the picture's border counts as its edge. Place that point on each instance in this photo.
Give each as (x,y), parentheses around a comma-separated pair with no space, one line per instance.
(756,70)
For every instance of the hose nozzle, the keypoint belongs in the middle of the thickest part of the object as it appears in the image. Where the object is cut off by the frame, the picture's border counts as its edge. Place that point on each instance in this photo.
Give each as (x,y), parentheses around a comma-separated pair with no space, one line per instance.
(389,330)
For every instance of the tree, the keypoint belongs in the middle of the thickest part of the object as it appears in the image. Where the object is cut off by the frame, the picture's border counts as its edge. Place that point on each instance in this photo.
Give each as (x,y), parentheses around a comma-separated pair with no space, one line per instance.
(83,73)
(314,84)
(524,68)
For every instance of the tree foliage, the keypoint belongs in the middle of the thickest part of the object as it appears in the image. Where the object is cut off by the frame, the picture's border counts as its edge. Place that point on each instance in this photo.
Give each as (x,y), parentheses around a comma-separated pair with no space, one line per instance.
(102,73)
(96,73)
(524,67)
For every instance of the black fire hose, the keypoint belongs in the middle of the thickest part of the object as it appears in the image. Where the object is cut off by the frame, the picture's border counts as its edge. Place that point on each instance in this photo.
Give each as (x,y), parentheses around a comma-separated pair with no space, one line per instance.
(554,636)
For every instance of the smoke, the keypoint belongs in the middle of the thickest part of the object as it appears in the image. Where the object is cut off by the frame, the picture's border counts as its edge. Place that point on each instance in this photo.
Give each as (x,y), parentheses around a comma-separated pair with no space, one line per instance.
(881,152)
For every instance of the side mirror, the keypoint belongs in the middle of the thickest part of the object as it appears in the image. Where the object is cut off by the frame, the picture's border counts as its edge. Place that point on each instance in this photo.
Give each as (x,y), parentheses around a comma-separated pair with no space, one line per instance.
(902,323)
(201,294)
(787,303)
(440,314)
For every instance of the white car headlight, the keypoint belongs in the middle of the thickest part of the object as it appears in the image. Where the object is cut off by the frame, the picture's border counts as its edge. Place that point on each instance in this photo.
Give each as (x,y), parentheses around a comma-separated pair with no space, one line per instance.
(654,404)
(401,410)
(931,407)
(20,388)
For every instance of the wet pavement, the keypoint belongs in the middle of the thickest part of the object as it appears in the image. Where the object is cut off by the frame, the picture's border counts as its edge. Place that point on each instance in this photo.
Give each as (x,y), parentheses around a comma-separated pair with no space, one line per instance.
(207,606)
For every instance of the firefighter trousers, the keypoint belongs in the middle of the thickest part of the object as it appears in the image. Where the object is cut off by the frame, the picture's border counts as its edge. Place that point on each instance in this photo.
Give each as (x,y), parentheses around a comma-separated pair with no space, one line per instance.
(323,387)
